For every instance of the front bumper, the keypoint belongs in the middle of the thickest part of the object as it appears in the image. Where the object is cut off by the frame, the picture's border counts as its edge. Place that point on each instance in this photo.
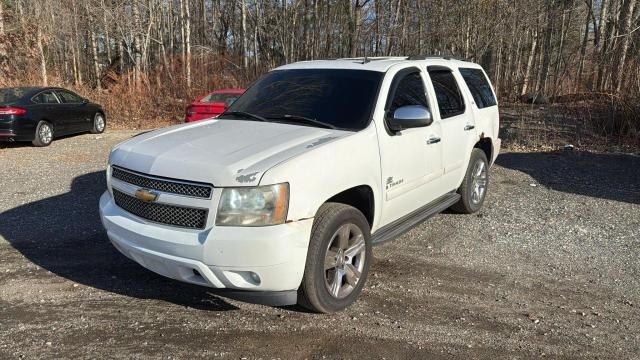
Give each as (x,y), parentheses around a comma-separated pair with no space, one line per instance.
(262,259)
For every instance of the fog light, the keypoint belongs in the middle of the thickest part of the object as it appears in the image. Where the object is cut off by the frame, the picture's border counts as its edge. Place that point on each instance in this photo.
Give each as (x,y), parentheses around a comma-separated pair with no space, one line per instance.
(254,277)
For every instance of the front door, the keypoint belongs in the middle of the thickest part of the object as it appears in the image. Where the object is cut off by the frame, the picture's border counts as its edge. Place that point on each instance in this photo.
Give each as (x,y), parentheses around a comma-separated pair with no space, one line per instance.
(411,159)
(75,111)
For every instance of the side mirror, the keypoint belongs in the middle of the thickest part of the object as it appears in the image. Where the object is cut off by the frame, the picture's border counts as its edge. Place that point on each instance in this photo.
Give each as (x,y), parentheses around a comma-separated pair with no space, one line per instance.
(85,101)
(410,116)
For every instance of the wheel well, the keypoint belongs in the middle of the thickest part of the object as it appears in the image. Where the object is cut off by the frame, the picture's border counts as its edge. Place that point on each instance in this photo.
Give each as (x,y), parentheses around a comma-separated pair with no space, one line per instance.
(360,197)
(485,145)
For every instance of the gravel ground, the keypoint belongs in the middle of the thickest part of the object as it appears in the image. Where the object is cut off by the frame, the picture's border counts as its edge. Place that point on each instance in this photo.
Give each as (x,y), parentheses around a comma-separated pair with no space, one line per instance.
(548,268)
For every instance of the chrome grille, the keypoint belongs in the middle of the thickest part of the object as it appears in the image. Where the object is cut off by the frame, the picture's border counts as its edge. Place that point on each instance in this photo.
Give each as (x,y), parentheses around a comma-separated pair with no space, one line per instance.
(162,213)
(166,185)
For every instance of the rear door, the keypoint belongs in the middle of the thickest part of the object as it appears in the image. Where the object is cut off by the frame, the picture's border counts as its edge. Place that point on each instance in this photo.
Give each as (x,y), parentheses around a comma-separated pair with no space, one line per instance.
(458,126)
(483,102)
(76,111)
(49,107)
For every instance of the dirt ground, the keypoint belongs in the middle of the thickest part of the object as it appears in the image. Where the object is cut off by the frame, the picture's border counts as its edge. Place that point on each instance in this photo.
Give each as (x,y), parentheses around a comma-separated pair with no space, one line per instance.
(548,268)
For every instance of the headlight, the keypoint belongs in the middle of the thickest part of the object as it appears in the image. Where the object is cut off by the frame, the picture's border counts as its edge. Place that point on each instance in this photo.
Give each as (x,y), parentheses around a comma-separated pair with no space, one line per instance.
(253,206)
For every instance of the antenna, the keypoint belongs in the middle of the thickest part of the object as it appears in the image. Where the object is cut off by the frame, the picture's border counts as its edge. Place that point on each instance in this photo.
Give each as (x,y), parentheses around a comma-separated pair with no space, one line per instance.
(366,59)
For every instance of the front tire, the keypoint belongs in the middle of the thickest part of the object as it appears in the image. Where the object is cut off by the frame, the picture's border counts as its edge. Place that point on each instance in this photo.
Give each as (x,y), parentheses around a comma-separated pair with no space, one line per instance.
(44,134)
(338,259)
(99,123)
(473,189)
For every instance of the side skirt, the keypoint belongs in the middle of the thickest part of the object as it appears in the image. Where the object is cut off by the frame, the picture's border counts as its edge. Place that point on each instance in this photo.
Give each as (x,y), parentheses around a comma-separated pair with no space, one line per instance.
(408,222)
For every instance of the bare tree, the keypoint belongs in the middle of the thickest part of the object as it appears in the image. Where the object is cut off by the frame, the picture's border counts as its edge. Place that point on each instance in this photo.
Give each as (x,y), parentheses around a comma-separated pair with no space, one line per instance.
(1,20)
(545,47)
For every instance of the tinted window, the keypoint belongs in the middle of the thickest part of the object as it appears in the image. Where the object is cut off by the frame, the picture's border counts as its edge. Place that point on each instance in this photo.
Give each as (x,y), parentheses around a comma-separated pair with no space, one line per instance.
(45,97)
(479,87)
(10,95)
(448,94)
(410,91)
(219,98)
(342,98)
(68,97)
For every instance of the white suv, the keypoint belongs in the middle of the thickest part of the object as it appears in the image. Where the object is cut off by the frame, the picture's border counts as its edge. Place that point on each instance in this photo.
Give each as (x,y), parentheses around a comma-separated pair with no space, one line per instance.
(280,199)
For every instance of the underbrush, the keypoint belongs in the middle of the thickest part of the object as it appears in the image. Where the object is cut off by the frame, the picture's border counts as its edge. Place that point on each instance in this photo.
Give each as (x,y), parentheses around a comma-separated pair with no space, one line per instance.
(159,100)
(602,123)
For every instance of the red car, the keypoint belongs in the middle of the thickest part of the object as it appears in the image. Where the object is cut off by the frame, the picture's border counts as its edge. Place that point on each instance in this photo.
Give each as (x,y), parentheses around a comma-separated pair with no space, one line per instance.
(212,104)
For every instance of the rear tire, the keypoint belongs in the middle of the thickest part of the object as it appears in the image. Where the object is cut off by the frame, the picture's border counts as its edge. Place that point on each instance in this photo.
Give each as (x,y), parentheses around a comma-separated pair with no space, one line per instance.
(44,134)
(473,189)
(338,259)
(99,123)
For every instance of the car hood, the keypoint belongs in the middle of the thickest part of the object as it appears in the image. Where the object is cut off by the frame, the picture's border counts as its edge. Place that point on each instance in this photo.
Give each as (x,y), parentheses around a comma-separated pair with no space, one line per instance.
(220,152)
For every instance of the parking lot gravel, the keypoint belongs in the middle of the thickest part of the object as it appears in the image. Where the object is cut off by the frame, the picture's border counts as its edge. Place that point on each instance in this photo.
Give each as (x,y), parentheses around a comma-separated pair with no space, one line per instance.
(548,268)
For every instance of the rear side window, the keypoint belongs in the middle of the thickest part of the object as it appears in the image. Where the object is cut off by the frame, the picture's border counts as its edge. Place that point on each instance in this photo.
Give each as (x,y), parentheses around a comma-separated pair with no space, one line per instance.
(68,97)
(410,91)
(479,86)
(219,98)
(448,94)
(45,97)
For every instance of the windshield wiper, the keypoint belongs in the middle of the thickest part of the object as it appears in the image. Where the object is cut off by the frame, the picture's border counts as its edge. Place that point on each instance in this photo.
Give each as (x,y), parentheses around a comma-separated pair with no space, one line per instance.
(303,119)
(245,115)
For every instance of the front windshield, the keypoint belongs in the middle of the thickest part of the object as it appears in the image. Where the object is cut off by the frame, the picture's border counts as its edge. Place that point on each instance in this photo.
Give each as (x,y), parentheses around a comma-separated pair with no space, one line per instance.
(342,98)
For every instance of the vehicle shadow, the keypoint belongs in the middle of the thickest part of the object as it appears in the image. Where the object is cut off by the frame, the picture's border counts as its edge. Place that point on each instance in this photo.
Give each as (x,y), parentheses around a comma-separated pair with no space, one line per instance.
(606,176)
(63,234)
(20,144)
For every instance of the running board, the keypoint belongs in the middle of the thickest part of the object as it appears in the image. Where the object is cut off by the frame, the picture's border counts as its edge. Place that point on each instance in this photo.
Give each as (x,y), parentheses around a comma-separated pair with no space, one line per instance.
(408,222)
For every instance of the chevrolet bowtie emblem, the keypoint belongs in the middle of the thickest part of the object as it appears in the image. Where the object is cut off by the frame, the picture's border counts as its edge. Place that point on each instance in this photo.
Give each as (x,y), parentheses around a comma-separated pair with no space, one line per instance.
(146,195)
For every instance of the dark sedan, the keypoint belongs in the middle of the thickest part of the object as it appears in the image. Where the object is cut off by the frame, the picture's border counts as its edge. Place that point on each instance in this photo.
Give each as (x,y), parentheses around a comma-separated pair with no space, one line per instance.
(38,114)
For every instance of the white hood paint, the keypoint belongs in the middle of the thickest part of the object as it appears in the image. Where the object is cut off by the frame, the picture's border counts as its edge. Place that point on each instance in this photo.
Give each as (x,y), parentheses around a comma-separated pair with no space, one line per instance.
(220,152)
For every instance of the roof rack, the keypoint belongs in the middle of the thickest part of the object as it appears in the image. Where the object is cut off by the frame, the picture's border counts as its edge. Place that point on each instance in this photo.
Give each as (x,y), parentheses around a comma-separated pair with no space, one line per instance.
(372,58)
(425,57)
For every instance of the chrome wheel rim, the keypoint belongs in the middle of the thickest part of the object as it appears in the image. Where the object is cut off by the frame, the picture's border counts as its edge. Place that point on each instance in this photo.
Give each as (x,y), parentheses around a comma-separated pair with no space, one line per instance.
(99,123)
(479,182)
(344,261)
(45,133)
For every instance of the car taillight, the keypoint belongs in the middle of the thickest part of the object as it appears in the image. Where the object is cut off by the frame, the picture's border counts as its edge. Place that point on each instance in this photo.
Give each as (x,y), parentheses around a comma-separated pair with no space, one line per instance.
(12,111)
(189,111)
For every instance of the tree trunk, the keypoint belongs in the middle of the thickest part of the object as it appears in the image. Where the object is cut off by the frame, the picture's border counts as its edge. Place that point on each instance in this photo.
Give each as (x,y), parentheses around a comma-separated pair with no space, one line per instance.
(245,42)
(585,39)
(43,60)
(94,53)
(532,54)
(1,20)
(626,15)
(354,26)
(546,55)
(187,42)
(137,52)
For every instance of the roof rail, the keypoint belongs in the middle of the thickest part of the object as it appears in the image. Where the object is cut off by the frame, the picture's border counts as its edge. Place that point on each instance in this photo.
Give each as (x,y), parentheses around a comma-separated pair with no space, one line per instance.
(425,57)
(372,58)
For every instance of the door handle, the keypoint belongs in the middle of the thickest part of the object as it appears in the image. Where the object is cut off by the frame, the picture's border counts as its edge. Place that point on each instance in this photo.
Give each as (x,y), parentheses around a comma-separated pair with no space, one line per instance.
(433,140)
(469,127)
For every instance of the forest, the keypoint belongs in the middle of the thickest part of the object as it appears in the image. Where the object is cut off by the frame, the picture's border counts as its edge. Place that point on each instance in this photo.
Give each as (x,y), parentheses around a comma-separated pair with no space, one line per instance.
(145,59)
